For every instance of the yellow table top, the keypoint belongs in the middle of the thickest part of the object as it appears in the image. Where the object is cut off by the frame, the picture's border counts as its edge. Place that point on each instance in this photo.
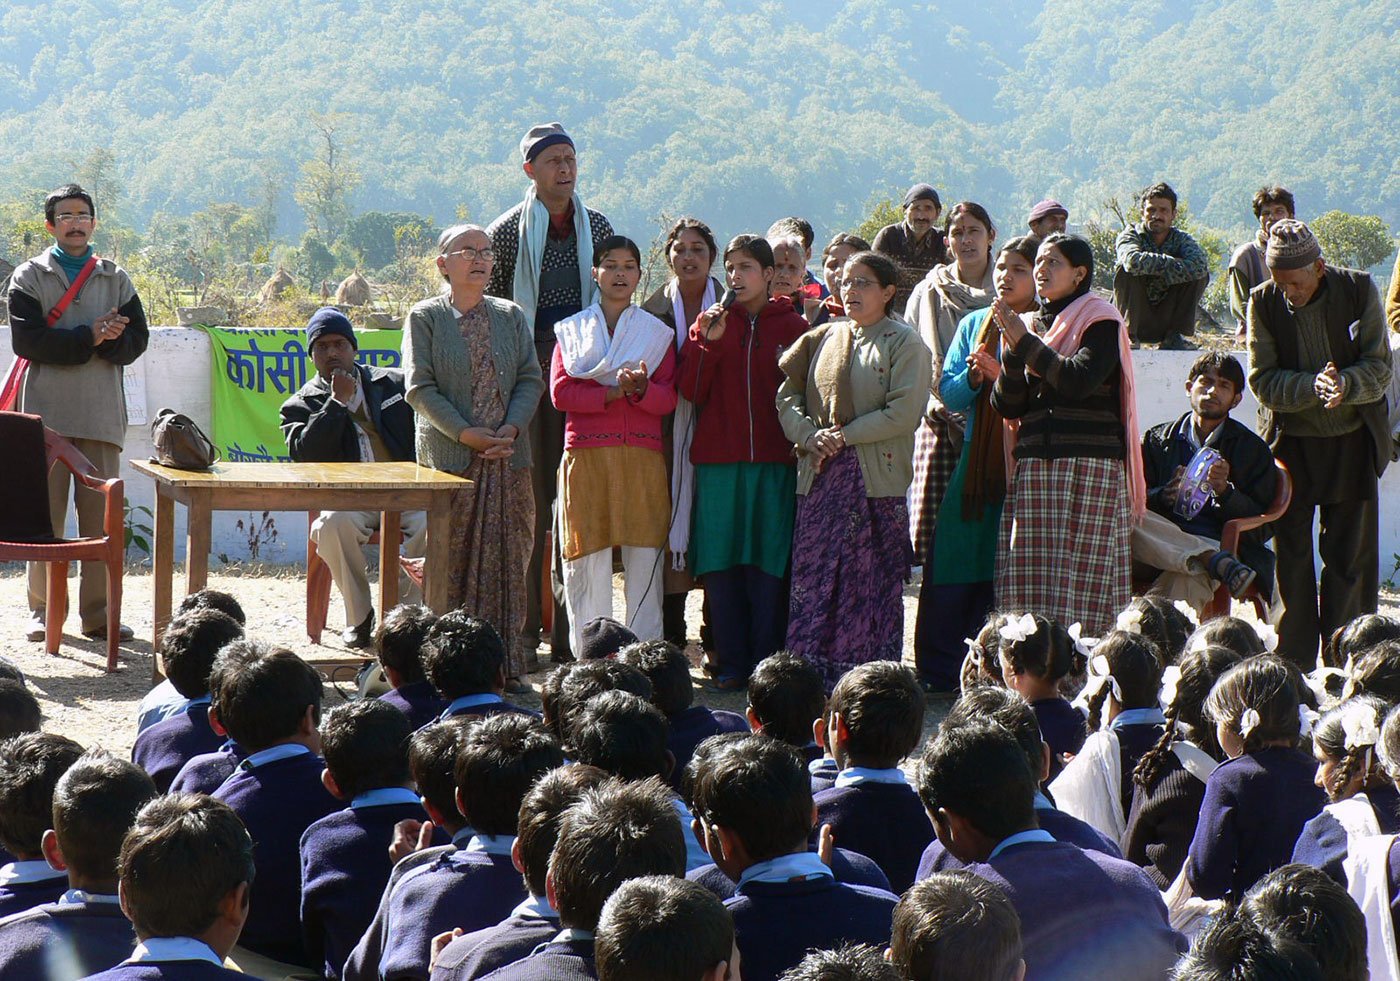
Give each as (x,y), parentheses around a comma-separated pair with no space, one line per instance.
(361,476)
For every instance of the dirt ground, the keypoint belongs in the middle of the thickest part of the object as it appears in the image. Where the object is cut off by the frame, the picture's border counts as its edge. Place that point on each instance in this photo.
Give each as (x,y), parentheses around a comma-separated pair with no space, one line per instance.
(82,701)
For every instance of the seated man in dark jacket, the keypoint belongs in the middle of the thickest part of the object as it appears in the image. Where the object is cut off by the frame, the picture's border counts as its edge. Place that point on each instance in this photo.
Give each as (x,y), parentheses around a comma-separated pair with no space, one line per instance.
(350,413)
(1242,482)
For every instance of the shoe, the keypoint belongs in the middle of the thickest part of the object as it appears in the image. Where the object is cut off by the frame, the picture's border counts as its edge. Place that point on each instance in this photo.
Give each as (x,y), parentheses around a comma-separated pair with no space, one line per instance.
(100,633)
(1225,568)
(35,632)
(358,637)
(1178,342)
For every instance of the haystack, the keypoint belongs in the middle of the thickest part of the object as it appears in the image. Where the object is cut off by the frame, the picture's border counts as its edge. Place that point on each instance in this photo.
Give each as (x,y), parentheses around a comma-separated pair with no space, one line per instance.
(275,286)
(353,291)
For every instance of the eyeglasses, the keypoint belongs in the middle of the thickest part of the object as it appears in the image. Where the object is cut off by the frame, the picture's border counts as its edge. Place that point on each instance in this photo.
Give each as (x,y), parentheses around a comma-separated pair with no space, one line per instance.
(858,283)
(70,219)
(469,254)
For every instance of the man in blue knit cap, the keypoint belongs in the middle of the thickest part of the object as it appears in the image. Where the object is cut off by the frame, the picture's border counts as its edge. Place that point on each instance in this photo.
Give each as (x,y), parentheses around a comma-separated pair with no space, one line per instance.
(350,413)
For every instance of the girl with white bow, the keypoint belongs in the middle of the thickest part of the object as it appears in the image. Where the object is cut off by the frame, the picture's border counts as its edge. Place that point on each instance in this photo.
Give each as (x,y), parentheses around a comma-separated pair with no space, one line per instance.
(1034,653)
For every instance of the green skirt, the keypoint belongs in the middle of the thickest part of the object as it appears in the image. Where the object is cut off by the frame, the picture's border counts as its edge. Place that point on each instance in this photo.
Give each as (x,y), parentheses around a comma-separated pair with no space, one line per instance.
(743,515)
(964,549)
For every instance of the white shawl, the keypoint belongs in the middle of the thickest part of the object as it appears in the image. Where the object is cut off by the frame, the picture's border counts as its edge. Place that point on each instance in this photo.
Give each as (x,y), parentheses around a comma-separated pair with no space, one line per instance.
(682,434)
(534,229)
(1367,868)
(1090,787)
(588,351)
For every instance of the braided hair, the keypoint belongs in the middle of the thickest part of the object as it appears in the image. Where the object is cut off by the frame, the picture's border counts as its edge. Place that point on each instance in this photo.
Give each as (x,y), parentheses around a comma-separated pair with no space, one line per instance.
(1135,664)
(1330,736)
(1186,712)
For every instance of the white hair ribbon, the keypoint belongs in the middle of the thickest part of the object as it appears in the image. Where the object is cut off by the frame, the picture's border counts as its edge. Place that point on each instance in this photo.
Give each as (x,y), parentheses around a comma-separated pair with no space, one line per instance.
(1361,726)
(1017,629)
(1130,620)
(1188,611)
(1249,721)
(1171,678)
(1307,718)
(1098,668)
(1076,629)
(1268,635)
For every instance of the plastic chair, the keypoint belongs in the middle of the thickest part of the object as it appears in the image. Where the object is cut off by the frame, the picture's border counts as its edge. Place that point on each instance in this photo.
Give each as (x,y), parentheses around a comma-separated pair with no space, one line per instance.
(318,580)
(1230,541)
(26,438)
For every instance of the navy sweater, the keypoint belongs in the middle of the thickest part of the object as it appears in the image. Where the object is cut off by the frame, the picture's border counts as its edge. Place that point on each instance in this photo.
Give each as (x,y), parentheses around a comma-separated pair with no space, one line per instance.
(1084,914)
(1133,744)
(1059,825)
(849,867)
(1323,843)
(884,821)
(207,772)
(567,960)
(1162,822)
(1062,727)
(16,897)
(278,801)
(477,954)
(1255,808)
(363,962)
(344,869)
(169,971)
(74,939)
(691,727)
(823,771)
(776,923)
(418,700)
(164,748)
(470,890)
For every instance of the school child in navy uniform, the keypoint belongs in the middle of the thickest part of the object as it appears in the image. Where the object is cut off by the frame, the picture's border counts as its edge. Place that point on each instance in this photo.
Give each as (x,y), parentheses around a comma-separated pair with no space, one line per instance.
(673,692)
(1083,914)
(465,659)
(1234,947)
(269,700)
(187,652)
(94,805)
(663,929)
(399,647)
(163,701)
(206,772)
(19,709)
(534,921)
(1124,692)
(1363,801)
(1169,782)
(1011,712)
(1303,904)
(185,868)
(581,681)
(754,802)
(846,963)
(477,885)
(344,862)
(787,700)
(30,766)
(1033,654)
(847,866)
(616,832)
(956,925)
(1257,802)
(874,720)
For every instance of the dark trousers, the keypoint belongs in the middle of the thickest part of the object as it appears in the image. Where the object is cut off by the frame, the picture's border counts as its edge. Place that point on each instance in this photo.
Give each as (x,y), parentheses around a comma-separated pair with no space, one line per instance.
(547,448)
(1151,323)
(948,612)
(748,617)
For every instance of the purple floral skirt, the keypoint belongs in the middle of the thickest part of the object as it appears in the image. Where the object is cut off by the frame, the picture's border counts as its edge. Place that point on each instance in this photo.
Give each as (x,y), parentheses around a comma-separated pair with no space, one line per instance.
(850,560)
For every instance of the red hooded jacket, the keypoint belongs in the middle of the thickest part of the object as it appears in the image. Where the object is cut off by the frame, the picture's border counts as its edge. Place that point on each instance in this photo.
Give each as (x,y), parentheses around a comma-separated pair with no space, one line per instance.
(734,385)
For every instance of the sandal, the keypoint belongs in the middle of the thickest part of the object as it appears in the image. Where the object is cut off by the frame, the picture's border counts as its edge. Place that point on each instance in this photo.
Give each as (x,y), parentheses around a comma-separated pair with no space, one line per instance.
(1226,568)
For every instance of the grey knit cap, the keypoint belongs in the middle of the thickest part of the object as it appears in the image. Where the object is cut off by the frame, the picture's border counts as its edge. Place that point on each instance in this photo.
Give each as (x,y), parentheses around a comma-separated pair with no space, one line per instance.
(540,138)
(1292,245)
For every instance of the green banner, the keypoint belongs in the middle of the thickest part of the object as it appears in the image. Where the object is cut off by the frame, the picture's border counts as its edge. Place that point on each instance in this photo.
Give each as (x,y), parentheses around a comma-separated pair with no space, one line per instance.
(254,370)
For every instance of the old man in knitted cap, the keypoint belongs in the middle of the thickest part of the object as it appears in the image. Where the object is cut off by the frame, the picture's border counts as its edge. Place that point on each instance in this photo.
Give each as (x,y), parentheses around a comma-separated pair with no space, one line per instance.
(544,262)
(1319,365)
(916,244)
(350,413)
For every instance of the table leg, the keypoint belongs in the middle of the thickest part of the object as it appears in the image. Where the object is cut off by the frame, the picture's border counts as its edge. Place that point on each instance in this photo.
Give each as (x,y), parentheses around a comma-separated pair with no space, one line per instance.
(162,574)
(435,586)
(197,545)
(389,535)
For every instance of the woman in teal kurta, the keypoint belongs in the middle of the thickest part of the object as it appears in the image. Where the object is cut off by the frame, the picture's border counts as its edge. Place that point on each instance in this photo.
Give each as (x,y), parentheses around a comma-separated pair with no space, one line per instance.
(956,594)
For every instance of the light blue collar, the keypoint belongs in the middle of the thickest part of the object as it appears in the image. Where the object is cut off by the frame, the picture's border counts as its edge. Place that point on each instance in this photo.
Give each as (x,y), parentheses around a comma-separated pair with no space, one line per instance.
(1020,838)
(536,908)
(201,700)
(1138,717)
(822,765)
(28,870)
(272,754)
(854,775)
(461,838)
(81,897)
(174,949)
(1042,803)
(571,933)
(491,844)
(786,868)
(383,796)
(459,705)
(695,855)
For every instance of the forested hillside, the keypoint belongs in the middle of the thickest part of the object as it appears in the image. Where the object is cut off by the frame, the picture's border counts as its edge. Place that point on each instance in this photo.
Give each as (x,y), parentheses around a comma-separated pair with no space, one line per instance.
(738,111)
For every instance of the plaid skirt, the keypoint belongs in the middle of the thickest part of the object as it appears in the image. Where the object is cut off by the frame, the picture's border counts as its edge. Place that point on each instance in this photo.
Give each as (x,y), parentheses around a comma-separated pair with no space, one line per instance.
(936,451)
(1064,549)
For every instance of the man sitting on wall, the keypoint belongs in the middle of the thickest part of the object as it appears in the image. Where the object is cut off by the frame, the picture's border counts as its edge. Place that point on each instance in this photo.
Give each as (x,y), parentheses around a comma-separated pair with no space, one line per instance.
(350,413)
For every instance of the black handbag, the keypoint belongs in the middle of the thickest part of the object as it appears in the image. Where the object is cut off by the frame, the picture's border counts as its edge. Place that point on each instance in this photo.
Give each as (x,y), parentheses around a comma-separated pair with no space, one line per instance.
(180,443)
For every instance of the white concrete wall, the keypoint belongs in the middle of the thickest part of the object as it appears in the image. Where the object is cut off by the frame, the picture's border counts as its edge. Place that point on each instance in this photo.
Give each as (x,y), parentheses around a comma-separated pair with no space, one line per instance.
(177,375)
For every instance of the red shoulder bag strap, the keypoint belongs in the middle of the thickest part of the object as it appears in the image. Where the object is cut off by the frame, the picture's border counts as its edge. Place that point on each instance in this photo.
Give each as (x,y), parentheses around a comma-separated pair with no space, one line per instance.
(14,377)
(66,300)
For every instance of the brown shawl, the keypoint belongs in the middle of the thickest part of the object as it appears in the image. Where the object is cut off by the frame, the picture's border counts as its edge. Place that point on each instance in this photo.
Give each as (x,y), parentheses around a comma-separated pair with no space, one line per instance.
(984,482)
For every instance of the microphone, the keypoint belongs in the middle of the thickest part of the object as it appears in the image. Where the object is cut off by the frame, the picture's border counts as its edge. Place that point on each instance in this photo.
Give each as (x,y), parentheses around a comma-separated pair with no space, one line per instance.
(727,300)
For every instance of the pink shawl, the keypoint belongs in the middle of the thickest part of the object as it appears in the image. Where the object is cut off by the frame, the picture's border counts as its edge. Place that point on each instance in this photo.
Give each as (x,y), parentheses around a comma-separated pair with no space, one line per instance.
(1064,337)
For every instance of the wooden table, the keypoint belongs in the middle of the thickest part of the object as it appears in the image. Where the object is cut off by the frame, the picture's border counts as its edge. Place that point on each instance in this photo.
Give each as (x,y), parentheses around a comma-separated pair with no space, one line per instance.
(385,487)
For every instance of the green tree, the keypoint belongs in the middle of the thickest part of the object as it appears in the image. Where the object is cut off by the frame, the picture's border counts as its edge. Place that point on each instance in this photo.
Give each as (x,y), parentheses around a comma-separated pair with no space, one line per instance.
(1355,241)
(886,212)
(317,261)
(375,235)
(323,192)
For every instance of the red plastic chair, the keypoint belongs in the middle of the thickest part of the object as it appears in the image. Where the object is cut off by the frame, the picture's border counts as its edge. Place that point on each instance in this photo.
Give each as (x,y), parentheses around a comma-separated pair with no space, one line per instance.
(25,434)
(1230,542)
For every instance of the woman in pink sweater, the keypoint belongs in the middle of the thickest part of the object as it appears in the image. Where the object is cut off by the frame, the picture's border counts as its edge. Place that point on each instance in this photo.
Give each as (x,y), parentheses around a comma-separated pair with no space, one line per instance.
(613,376)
